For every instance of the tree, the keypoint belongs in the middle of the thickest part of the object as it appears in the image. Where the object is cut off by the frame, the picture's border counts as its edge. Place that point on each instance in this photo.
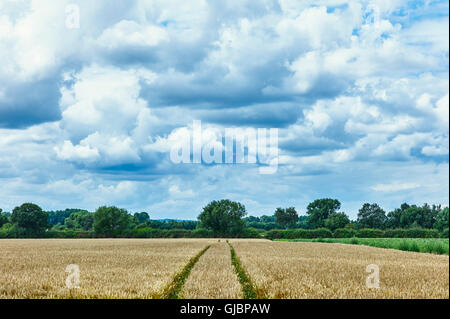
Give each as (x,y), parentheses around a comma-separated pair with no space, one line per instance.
(303,222)
(3,218)
(286,217)
(252,219)
(442,220)
(424,216)
(320,209)
(267,219)
(111,220)
(223,217)
(60,216)
(30,218)
(336,220)
(371,216)
(408,216)
(394,218)
(143,217)
(80,220)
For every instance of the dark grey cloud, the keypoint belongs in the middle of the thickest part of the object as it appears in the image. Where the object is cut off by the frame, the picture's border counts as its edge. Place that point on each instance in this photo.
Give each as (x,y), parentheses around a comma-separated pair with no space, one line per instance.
(31,103)
(276,114)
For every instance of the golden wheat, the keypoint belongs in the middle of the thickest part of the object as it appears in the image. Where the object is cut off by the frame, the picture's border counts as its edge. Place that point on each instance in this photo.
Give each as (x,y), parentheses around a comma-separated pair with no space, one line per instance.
(320,270)
(213,276)
(109,268)
(142,268)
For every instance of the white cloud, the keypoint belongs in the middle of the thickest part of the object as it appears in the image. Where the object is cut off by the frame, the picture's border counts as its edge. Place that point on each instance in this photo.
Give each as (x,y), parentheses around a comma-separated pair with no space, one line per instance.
(114,149)
(442,112)
(395,187)
(175,191)
(432,32)
(130,33)
(103,110)
(104,99)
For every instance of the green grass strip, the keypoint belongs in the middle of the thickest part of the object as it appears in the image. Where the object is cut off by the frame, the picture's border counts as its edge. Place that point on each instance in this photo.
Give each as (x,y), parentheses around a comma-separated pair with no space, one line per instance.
(439,246)
(172,290)
(248,289)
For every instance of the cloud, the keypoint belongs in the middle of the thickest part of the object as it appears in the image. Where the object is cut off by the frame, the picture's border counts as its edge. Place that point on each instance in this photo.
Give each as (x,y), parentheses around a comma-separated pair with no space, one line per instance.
(358,91)
(175,192)
(129,33)
(104,116)
(77,153)
(395,187)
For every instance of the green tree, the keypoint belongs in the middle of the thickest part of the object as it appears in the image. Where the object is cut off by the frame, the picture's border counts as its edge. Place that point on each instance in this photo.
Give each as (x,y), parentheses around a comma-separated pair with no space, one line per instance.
(371,216)
(59,216)
(408,216)
(424,216)
(252,219)
(336,220)
(286,218)
(267,219)
(320,209)
(442,220)
(30,219)
(3,218)
(142,217)
(80,220)
(393,219)
(111,220)
(223,217)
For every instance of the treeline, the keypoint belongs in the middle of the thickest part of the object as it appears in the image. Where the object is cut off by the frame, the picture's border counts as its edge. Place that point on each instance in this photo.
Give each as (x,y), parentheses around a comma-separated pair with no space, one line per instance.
(324,213)
(360,233)
(226,218)
(29,220)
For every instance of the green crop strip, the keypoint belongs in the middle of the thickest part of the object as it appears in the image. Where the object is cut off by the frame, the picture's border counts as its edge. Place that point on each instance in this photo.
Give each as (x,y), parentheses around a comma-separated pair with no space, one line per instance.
(248,288)
(173,289)
(437,246)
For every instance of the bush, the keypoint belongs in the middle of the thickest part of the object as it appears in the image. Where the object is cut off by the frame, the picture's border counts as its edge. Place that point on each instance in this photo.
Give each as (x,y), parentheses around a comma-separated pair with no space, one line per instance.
(344,233)
(85,234)
(444,233)
(321,233)
(143,233)
(421,233)
(414,247)
(395,233)
(403,245)
(250,233)
(299,233)
(8,230)
(274,234)
(178,233)
(435,248)
(202,233)
(4,233)
(370,233)
(69,234)
(411,233)
(166,233)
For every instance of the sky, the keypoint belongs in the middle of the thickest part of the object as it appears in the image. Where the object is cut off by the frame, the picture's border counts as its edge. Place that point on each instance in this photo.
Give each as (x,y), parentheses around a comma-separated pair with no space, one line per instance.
(95,94)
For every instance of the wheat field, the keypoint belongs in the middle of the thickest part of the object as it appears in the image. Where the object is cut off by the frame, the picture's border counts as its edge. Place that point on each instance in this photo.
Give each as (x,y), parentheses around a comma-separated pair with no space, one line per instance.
(144,268)
(321,270)
(109,268)
(213,276)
